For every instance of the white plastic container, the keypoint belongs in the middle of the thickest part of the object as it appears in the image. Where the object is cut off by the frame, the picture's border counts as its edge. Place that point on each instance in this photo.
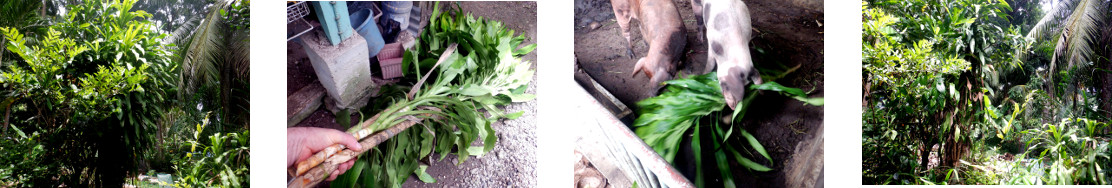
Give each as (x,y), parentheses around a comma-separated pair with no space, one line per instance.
(166,180)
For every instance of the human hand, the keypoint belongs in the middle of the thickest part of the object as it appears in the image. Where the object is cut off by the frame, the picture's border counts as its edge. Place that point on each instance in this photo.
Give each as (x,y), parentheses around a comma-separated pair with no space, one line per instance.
(302,142)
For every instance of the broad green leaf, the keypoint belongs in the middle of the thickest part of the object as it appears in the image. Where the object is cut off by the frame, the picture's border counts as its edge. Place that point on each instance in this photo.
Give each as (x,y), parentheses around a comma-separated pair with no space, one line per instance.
(423,175)
(756,145)
(816,101)
(521,97)
(696,148)
(773,86)
(514,115)
(475,90)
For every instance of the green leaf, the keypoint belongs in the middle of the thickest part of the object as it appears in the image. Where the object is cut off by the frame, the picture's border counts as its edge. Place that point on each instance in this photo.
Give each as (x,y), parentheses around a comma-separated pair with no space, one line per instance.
(773,86)
(19,132)
(521,97)
(748,163)
(525,50)
(724,168)
(816,101)
(349,178)
(423,175)
(756,145)
(491,138)
(514,115)
(696,148)
(989,108)
(475,90)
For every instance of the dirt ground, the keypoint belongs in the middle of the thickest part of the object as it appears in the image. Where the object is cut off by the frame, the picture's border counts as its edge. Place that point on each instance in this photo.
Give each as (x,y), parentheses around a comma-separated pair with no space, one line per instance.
(786,34)
(513,162)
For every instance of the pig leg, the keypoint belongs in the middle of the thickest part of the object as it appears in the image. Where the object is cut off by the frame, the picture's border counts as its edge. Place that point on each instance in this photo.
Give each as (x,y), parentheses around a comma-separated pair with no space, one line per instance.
(711,61)
(623,14)
(697,7)
(699,15)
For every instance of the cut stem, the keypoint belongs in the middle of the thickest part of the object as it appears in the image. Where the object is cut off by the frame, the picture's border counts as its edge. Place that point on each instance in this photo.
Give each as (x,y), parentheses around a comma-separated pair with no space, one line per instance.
(317,174)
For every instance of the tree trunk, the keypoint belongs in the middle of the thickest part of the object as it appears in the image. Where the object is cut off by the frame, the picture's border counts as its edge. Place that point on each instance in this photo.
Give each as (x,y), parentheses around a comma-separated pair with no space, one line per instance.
(3,49)
(1104,77)
(7,113)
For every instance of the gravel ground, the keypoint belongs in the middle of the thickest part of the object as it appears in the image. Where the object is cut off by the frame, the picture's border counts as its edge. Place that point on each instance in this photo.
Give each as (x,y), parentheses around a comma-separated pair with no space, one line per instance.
(513,161)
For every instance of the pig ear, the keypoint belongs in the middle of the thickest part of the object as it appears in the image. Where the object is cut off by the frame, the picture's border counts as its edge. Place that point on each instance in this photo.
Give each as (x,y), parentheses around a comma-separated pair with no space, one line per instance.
(639,66)
(755,76)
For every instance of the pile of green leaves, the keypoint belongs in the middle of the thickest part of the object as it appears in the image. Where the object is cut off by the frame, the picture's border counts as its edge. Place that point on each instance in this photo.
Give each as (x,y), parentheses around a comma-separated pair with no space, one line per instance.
(485,72)
(693,106)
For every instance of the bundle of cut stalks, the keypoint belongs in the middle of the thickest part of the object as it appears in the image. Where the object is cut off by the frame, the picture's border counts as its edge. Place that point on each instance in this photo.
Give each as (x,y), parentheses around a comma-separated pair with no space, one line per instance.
(312,171)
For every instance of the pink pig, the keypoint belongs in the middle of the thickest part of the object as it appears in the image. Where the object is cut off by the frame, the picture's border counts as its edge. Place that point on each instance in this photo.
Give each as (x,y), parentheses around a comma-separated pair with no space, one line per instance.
(661,28)
(728,31)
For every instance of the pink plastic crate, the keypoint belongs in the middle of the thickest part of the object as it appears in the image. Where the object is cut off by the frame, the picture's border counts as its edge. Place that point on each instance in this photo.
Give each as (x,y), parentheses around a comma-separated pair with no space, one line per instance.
(390,51)
(391,68)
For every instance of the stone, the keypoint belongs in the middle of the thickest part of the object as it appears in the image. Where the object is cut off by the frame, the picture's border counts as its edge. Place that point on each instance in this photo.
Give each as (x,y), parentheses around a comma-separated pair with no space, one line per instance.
(303,103)
(343,70)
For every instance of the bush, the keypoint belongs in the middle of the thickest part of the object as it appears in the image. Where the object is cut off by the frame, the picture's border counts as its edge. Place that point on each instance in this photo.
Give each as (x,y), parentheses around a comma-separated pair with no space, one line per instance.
(93,86)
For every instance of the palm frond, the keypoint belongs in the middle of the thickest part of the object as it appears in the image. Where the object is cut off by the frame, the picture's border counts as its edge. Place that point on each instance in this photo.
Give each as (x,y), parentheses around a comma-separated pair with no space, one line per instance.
(180,34)
(1074,22)
(239,54)
(200,57)
(19,14)
(1052,19)
(1081,28)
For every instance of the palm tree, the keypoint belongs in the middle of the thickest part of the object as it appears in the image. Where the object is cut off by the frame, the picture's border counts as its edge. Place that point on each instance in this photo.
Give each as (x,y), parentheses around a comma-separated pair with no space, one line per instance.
(20,15)
(1074,26)
(215,50)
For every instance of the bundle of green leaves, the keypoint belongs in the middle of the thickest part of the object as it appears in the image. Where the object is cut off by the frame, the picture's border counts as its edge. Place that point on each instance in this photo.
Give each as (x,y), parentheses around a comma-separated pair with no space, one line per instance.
(485,72)
(693,106)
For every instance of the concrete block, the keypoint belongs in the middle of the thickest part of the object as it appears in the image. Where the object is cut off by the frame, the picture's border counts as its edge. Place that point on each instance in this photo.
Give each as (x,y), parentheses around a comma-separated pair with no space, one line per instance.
(344,70)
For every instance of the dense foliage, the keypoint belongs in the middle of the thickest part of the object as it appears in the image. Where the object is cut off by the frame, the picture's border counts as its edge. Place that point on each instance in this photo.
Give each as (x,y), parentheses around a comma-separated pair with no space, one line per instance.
(92,99)
(963,91)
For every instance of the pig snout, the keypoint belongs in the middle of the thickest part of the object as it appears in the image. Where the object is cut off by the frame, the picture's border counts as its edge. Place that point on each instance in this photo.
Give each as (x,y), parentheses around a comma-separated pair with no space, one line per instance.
(656,71)
(733,81)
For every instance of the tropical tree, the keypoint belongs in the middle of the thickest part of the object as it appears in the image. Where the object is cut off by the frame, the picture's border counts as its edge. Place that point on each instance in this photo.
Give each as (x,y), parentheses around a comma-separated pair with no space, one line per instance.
(923,65)
(1076,30)
(964,80)
(215,53)
(94,85)
(20,15)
